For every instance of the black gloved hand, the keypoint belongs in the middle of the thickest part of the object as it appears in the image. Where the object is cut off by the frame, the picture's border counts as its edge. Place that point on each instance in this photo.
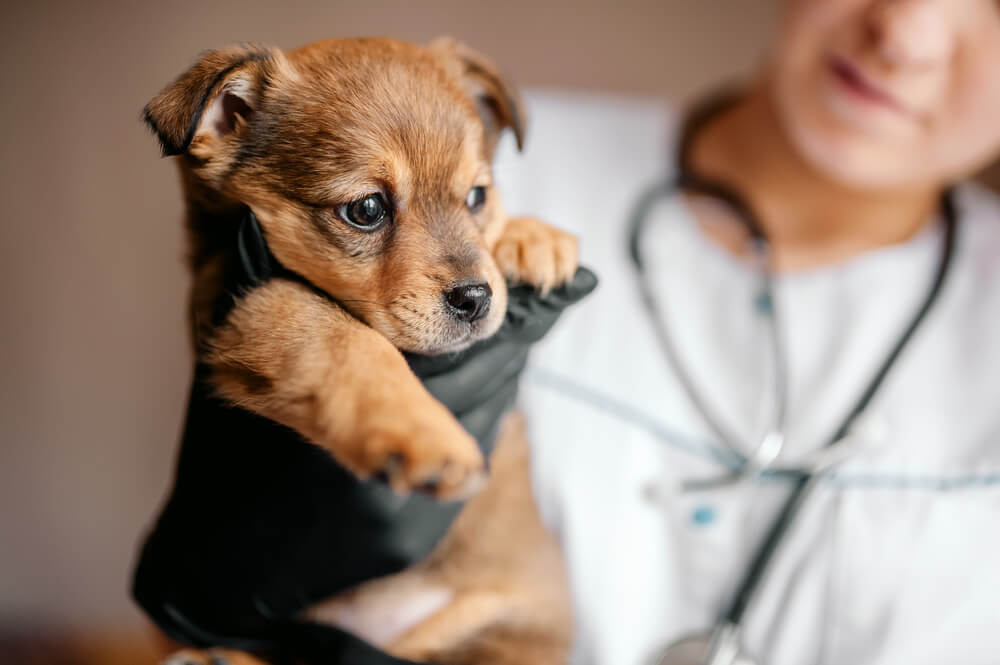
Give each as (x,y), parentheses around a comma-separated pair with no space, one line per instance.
(479,384)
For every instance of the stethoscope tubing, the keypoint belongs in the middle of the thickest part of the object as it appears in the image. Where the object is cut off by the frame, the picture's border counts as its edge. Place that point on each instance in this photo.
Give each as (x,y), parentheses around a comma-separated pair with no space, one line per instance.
(805,481)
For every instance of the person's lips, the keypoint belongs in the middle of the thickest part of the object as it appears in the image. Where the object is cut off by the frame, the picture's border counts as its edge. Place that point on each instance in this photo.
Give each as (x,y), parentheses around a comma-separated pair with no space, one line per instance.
(861,87)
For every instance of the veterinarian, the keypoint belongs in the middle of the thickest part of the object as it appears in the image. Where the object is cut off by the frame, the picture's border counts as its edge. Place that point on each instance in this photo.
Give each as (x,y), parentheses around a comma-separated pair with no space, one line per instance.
(772,434)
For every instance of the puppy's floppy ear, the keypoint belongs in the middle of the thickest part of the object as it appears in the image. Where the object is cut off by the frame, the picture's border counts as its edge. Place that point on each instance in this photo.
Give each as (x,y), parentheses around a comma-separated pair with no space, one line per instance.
(496,99)
(213,98)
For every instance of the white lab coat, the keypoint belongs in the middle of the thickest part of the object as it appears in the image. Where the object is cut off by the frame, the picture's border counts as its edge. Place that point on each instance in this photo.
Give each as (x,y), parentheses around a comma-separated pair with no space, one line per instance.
(895,559)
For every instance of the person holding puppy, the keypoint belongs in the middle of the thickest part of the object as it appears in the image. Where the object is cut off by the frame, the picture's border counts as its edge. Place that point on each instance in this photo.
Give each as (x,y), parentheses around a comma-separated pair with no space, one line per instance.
(771,434)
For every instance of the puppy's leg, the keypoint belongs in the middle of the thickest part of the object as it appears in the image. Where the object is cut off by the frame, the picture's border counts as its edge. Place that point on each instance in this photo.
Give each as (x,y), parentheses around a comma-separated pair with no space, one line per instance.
(292,356)
(532,252)
(512,599)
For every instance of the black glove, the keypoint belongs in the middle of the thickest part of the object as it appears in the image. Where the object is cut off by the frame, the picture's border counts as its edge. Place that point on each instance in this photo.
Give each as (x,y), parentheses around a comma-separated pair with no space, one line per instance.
(479,384)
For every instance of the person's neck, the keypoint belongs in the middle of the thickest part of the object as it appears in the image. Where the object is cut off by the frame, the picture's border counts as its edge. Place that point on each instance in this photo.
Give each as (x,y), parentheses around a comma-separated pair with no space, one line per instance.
(810,220)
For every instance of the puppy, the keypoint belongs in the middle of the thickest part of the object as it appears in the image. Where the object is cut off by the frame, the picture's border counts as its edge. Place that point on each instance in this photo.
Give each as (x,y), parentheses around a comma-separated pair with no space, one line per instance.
(367,164)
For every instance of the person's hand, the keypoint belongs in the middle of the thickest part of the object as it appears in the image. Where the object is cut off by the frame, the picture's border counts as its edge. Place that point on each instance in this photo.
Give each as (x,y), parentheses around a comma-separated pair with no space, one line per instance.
(479,384)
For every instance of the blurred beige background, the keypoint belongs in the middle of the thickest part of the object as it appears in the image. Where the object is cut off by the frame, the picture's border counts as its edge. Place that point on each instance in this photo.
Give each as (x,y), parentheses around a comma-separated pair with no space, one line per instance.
(93,360)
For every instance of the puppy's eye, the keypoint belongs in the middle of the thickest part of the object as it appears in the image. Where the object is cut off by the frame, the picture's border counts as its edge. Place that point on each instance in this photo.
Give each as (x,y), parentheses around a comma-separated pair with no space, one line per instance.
(476,199)
(368,213)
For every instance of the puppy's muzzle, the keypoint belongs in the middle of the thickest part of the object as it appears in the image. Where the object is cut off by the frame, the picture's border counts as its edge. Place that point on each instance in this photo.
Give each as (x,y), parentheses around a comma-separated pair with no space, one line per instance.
(469,302)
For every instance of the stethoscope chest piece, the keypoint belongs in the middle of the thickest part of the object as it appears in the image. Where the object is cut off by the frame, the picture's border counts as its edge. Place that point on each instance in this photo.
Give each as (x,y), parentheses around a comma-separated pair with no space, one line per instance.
(721,647)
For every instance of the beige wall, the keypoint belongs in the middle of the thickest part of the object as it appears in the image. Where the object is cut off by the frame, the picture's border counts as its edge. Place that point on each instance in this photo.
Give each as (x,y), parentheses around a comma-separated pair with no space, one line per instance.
(93,359)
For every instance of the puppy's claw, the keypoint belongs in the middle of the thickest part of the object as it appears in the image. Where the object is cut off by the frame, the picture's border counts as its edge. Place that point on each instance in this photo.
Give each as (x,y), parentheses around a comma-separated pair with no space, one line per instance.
(460,487)
(471,485)
(392,472)
(429,486)
(452,483)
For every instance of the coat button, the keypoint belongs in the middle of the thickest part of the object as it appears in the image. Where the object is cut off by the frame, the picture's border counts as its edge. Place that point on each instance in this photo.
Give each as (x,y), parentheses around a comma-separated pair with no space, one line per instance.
(703,515)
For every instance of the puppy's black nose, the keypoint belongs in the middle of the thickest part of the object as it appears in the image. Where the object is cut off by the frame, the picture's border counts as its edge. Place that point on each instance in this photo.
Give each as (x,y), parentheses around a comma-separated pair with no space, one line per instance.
(469,302)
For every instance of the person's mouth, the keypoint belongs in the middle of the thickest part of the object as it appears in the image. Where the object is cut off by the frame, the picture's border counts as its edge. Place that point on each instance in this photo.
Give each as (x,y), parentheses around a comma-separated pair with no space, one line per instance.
(861,87)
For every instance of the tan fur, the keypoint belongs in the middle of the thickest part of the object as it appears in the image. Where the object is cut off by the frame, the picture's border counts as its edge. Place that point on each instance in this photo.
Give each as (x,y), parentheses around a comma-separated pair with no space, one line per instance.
(294,137)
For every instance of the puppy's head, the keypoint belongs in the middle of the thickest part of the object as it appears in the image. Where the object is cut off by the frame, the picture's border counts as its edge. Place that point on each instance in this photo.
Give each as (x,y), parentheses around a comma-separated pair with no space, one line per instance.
(367,163)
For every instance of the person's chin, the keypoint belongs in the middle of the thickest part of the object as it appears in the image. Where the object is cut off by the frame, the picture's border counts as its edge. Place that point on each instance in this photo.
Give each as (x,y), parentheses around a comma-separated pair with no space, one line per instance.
(852,158)
(845,139)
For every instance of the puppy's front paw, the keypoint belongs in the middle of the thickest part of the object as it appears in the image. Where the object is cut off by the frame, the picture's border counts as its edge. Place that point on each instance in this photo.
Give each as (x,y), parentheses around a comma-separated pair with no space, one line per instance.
(413,450)
(532,252)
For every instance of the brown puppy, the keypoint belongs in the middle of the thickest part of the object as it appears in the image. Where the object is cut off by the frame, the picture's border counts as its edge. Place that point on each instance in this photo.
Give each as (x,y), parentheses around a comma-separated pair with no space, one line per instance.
(367,163)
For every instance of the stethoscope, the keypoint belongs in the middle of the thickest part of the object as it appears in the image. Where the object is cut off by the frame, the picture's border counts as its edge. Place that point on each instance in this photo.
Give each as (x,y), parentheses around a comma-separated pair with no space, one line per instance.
(723,644)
